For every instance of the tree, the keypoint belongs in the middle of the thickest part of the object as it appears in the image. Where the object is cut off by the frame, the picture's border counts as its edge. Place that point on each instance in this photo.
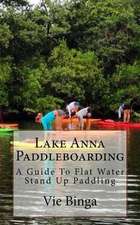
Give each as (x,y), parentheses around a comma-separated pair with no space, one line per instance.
(14,3)
(73,73)
(108,27)
(5,72)
(126,84)
(58,50)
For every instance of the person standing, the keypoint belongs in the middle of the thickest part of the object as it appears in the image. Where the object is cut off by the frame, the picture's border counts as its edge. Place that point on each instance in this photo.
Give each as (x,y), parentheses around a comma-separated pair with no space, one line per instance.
(125,110)
(120,111)
(126,113)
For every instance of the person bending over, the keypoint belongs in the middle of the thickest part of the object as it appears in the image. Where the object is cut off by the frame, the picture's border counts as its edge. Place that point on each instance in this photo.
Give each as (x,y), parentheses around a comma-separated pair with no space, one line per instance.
(85,112)
(48,120)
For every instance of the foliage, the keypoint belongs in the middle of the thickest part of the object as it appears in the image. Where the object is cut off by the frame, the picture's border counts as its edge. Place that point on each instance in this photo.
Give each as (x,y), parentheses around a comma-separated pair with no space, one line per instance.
(60,50)
(107,27)
(126,83)
(5,72)
(73,73)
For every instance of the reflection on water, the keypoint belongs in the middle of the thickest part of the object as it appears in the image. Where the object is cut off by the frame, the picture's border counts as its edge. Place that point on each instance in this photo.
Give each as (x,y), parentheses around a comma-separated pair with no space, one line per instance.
(6,199)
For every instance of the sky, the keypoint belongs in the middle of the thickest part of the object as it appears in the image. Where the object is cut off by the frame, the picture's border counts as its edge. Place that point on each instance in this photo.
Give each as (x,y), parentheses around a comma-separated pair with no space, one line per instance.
(34,1)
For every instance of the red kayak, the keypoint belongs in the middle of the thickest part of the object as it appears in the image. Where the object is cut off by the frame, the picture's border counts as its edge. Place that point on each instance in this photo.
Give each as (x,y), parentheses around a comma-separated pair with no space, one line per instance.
(112,123)
(105,123)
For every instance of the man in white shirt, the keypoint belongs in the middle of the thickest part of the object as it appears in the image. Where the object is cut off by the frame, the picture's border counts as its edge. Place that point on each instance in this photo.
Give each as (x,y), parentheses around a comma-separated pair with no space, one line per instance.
(85,112)
(120,111)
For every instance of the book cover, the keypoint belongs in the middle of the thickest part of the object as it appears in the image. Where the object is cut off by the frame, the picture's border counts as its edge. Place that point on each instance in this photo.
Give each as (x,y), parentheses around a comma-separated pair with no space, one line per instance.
(69,112)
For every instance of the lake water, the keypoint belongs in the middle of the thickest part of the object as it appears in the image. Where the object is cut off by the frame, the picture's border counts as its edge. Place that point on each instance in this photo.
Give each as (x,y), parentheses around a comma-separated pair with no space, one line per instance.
(6,188)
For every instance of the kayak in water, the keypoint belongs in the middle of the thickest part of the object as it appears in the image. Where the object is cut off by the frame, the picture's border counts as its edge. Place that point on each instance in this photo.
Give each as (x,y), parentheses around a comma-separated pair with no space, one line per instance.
(8,125)
(106,123)
(112,123)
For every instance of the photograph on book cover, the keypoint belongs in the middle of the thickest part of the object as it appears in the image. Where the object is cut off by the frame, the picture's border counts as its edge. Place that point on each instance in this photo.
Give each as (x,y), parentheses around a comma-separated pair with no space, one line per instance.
(70,112)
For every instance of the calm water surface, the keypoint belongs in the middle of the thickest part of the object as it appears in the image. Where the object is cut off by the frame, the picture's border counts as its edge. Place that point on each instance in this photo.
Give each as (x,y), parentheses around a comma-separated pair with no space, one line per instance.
(6,188)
